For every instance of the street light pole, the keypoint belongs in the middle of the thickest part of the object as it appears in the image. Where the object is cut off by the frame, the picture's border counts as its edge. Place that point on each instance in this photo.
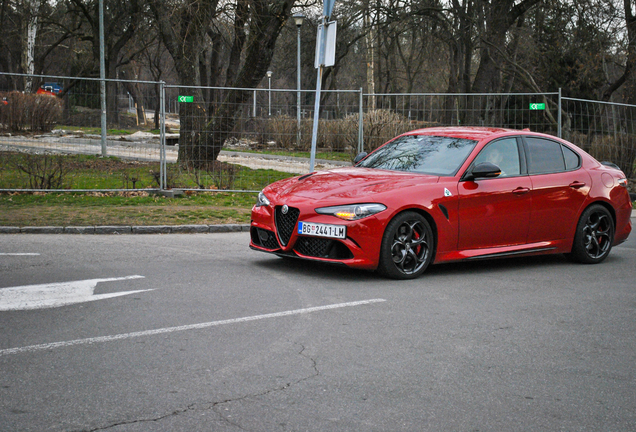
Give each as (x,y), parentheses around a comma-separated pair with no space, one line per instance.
(269,104)
(102,78)
(298,18)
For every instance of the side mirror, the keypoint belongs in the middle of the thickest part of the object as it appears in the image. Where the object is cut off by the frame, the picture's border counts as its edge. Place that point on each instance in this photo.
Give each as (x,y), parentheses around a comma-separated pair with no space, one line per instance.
(359,157)
(483,170)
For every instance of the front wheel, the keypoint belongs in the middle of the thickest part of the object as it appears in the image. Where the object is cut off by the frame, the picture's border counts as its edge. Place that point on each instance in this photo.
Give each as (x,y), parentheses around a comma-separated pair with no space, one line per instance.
(594,236)
(407,246)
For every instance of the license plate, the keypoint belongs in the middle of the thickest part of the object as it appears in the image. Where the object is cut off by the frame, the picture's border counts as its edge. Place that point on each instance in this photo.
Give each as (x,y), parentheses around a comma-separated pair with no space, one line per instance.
(322,230)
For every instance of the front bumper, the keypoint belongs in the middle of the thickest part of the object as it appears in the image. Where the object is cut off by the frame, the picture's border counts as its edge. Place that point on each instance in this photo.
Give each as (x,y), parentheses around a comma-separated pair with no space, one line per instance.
(272,233)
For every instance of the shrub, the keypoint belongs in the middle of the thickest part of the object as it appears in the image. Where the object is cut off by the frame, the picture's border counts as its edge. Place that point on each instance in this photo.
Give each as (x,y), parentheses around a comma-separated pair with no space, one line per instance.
(383,125)
(44,172)
(32,112)
(340,135)
(619,148)
(283,130)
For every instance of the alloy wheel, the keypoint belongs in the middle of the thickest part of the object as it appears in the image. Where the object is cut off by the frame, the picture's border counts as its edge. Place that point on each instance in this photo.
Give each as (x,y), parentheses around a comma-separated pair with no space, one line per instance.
(597,234)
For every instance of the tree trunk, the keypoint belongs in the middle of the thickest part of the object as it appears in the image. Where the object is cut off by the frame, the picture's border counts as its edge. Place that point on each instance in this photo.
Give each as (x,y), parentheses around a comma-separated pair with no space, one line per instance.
(370,43)
(202,136)
(630,64)
(500,15)
(32,8)
(267,20)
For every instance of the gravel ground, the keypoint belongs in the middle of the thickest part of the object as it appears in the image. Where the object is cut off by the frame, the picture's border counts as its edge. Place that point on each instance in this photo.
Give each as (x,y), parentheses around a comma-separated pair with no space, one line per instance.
(145,147)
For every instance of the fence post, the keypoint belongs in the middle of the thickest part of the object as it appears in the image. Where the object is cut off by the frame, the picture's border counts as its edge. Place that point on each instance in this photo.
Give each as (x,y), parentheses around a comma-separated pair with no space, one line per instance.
(361,124)
(254,109)
(559,116)
(162,135)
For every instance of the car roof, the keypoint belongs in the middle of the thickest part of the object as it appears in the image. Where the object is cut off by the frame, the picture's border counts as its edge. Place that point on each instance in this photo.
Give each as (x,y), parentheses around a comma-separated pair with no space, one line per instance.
(467,132)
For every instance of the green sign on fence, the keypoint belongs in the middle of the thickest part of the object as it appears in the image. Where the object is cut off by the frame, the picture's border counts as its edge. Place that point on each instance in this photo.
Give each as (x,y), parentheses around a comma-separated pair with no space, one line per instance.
(537,106)
(186,98)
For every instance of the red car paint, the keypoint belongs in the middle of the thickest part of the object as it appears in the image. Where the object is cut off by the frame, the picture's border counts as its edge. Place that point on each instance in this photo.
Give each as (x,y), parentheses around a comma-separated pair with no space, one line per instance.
(487,217)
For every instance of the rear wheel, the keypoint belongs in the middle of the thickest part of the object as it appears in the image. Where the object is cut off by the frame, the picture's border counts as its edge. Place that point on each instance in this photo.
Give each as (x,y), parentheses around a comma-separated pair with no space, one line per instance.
(407,246)
(594,236)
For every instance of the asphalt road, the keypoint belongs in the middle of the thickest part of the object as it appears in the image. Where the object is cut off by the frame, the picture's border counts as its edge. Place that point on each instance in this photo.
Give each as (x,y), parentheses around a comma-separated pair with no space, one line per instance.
(221,338)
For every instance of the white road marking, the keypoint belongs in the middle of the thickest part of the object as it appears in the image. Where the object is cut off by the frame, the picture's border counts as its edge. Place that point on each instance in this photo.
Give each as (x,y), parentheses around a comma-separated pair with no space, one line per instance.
(48,346)
(57,294)
(18,254)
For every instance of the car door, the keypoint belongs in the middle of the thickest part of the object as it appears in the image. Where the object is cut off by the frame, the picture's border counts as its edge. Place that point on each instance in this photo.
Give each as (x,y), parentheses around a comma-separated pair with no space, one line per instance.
(559,188)
(495,212)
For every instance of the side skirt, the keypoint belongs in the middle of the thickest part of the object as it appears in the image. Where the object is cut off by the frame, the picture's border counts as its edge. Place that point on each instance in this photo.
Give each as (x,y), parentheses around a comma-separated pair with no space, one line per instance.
(547,247)
(514,253)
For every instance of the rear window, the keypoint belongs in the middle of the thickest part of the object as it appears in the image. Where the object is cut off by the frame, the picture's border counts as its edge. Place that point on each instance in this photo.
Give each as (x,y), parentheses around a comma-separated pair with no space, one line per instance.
(572,159)
(544,156)
(424,154)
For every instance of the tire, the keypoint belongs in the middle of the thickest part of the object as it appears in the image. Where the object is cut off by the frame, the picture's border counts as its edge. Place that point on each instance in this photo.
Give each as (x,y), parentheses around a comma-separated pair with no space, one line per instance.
(594,236)
(407,246)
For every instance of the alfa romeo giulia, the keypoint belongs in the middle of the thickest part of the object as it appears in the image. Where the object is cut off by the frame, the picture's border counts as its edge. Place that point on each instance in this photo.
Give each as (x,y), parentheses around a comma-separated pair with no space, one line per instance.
(447,194)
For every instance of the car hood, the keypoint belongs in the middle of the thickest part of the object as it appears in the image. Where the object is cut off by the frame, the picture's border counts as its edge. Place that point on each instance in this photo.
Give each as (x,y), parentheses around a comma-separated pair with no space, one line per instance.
(347,184)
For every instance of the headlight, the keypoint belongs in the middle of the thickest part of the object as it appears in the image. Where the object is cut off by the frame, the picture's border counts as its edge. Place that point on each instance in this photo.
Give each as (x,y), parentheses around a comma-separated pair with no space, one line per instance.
(353,211)
(623,182)
(262,200)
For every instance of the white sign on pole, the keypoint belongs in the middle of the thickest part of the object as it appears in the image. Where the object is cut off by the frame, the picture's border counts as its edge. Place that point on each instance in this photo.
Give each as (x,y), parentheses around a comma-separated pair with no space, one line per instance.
(327,55)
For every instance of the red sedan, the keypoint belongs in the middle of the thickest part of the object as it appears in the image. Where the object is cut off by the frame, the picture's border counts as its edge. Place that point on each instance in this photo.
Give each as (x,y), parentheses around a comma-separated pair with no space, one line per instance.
(448,194)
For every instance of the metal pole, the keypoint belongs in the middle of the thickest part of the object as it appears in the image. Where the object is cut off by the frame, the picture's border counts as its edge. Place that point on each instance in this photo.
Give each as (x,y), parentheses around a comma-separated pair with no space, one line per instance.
(162,131)
(361,124)
(269,104)
(254,107)
(314,134)
(559,131)
(321,58)
(298,87)
(102,76)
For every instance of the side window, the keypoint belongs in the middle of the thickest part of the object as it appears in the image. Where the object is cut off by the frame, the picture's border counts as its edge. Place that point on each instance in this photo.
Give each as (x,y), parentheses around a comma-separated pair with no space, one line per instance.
(572,160)
(544,156)
(503,153)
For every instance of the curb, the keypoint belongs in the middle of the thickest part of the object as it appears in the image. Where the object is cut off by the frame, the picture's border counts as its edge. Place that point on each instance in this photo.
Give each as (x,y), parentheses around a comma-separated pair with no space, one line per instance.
(157,229)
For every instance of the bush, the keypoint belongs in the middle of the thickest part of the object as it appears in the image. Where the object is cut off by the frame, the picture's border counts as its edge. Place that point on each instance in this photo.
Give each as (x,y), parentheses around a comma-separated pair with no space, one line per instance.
(619,148)
(43,171)
(339,135)
(29,112)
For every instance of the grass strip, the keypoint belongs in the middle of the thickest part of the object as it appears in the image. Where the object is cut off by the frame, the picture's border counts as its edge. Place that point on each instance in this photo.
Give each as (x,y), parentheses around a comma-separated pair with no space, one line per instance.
(132,208)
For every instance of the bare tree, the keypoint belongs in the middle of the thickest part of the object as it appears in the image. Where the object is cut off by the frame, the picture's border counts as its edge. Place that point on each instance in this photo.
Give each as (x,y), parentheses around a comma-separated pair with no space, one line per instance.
(121,20)
(498,17)
(630,63)
(183,27)
(31,13)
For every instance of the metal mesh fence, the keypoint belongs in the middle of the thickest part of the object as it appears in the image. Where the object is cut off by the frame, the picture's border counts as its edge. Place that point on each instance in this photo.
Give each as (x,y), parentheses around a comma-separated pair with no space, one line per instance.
(605,130)
(387,115)
(50,138)
(243,139)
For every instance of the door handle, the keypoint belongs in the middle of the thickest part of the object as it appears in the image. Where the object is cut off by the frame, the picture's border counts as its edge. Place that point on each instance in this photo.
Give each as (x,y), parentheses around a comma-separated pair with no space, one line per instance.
(521,190)
(577,185)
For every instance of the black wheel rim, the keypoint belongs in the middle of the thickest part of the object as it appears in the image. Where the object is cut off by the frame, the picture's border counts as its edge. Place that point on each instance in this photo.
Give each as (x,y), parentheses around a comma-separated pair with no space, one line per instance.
(597,235)
(410,248)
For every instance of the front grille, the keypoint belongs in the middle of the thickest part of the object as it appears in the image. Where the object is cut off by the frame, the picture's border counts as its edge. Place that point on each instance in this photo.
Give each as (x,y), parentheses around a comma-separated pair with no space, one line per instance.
(322,248)
(285,223)
(264,238)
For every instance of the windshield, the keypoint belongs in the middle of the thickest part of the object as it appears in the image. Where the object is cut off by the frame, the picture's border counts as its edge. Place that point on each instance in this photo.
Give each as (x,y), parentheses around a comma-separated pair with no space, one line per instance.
(423,154)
